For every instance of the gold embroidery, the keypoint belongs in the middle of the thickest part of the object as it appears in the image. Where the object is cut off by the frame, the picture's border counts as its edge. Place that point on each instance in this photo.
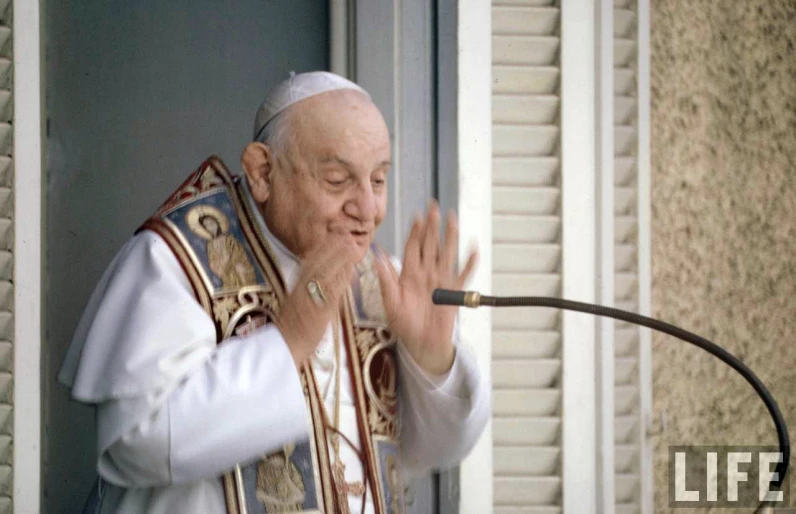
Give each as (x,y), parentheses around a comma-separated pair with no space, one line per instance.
(259,296)
(225,255)
(361,402)
(365,339)
(223,309)
(371,290)
(380,379)
(254,301)
(280,487)
(209,179)
(381,387)
(199,182)
(228,260)
(241,312)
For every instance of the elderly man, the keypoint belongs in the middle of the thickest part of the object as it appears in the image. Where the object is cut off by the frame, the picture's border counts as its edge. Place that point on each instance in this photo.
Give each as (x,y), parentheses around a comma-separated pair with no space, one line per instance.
(251,350)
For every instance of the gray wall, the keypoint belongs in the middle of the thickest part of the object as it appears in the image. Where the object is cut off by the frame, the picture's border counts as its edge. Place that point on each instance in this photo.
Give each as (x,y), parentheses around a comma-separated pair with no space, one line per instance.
(138,94)
(399,74)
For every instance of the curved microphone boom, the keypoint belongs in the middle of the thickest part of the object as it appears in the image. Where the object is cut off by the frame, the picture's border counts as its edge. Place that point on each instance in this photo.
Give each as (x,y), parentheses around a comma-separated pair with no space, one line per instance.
(475,299)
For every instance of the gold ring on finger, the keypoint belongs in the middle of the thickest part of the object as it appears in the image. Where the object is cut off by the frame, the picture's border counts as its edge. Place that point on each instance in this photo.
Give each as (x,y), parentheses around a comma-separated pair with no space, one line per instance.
(316,293)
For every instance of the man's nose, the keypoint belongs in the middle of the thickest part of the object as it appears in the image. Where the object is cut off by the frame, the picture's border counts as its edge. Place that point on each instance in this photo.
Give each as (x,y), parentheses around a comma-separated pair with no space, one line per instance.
(362,204)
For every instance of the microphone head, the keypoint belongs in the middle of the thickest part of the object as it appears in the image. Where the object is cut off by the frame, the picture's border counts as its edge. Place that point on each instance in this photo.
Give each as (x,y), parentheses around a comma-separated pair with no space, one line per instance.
(447,297)
(470,299)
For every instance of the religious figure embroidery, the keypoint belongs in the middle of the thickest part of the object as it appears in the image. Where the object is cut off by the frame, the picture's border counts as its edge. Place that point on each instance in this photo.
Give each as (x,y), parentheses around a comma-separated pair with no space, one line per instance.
(394,485)
(225,255)
(280,487)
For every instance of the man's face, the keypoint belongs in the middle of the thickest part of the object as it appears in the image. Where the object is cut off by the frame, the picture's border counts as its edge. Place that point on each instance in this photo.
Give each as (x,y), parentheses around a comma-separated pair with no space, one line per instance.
(332,182)
(210,224)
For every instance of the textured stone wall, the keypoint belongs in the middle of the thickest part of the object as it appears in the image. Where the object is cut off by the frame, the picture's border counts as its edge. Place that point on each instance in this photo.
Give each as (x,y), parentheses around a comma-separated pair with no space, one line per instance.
(723,216)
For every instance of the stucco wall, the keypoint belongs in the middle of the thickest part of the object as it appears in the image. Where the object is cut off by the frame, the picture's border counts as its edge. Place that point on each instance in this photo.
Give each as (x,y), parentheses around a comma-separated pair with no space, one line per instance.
(723,216)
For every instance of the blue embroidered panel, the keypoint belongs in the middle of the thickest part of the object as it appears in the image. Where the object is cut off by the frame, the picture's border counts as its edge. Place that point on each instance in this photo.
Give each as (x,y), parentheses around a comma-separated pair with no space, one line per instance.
(208,220)
(284,481)
(388,459)
(366,291)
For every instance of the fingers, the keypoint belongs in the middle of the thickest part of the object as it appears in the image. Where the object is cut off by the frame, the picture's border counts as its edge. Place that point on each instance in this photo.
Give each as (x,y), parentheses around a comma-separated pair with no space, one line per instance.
(464,276)
(413,242)
(431,240)
(426,254)
(390,289)
(303,319)
(450,249)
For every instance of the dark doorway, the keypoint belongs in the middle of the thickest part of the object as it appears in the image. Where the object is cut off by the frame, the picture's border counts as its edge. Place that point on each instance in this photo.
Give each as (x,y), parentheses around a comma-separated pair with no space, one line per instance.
(138,94)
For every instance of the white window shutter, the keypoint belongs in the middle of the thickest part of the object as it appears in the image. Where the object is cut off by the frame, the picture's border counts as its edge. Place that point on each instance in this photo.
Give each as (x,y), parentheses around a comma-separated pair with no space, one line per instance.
(628,422)
(526,365)
(530,475)
(6,262)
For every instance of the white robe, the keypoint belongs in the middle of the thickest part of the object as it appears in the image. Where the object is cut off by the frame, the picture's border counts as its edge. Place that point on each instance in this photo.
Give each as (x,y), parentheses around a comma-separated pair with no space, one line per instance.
(175,411)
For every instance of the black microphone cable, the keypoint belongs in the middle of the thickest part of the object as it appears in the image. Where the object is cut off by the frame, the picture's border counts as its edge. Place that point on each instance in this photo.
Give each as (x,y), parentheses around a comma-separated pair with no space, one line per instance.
(474,299)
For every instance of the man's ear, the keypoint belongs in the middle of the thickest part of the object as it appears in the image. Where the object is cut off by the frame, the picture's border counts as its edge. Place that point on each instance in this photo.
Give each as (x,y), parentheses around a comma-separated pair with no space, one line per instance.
(258,163)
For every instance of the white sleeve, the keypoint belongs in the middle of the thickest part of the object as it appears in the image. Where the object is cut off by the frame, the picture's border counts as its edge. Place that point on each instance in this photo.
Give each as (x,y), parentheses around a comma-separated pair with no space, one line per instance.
(245,401)
(442,417)
(172,406)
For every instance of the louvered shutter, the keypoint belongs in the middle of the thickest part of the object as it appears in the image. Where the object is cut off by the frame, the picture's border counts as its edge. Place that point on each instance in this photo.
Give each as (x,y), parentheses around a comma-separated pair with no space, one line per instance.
(6,266)
(526,254)
(529,472)
(628,425)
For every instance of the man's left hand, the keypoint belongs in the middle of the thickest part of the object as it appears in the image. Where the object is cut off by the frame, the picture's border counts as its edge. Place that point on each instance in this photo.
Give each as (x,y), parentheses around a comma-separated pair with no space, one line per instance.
(425,329)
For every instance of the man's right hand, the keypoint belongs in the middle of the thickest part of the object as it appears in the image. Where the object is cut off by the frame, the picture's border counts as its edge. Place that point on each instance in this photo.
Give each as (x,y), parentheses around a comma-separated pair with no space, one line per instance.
(301,320)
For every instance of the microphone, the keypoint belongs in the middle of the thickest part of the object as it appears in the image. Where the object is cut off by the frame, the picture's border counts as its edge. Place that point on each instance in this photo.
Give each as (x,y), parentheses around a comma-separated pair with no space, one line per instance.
(474,299)
(460,298)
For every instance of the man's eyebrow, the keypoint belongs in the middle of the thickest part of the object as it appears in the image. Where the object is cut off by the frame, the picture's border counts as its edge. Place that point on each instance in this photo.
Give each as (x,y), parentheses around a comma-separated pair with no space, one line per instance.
(336,159)
(346,163)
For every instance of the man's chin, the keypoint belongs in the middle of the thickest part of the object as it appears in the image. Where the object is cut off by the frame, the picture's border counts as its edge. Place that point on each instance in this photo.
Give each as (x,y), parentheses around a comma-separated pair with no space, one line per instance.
(363,250)
(362,241)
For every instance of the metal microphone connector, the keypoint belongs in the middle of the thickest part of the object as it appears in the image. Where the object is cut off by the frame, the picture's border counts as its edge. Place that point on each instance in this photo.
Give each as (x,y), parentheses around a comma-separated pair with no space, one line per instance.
(461,298)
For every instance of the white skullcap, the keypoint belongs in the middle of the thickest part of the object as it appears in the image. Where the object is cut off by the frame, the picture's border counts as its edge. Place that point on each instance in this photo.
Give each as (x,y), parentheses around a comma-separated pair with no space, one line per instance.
(295,89)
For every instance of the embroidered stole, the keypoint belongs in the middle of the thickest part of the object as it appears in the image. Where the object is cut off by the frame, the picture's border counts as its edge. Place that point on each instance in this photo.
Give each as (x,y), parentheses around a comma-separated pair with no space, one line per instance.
(210,225)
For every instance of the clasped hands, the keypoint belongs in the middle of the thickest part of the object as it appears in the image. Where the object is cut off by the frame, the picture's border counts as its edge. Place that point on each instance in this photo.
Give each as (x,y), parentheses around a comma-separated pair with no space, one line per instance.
(425,329)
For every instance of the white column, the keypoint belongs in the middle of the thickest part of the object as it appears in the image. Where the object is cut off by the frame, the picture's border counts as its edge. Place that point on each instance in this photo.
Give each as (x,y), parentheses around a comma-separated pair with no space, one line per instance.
(644,252)
(475,216)
(339,37)
(605,256)
(28,198)
(579,210)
